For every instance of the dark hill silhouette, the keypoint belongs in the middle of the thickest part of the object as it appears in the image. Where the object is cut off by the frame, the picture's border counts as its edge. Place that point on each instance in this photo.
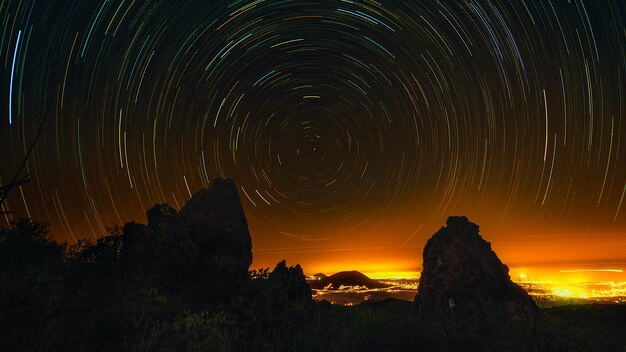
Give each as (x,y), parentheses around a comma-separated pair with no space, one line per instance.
(464,286)
(346,278)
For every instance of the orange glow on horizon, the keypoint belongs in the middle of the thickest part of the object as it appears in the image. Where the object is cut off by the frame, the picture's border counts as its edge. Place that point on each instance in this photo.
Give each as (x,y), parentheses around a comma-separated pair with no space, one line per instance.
(552,254)
(593,271)
(381,275)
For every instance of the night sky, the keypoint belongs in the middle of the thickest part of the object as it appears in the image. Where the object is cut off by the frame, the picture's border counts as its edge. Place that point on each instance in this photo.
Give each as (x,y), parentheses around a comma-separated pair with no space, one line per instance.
(352,128)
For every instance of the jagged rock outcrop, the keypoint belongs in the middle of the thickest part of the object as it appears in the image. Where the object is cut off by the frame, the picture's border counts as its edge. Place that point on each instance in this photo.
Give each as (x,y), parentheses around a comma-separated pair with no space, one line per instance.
(464,287)
(206,243)
(291,280)
(159,216)
(216,223)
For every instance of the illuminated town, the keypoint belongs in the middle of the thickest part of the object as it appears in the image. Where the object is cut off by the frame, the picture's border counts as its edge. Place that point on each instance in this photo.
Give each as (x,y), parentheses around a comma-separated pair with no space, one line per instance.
(545,293)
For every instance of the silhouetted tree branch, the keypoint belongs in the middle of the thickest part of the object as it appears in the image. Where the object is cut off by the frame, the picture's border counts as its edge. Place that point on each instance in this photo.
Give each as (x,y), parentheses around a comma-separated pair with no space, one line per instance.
(18,178)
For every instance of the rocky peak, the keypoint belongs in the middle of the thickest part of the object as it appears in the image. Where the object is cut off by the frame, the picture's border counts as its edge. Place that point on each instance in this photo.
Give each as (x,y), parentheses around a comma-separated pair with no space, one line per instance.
(218,203)
(291,280)
(216,222)
(159,216)
(464,286)
(207,240)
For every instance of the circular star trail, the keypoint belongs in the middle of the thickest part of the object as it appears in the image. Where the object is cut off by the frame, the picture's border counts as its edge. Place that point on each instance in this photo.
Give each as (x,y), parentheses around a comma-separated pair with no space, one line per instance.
(347,125)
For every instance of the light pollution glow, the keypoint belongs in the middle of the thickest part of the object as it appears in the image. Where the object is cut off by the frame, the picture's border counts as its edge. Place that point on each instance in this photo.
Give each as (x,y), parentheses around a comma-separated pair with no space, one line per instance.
(353,129)
(562,258)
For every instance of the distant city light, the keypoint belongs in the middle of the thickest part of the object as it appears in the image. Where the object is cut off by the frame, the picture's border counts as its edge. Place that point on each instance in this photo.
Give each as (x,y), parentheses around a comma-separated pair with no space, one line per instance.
(593,271)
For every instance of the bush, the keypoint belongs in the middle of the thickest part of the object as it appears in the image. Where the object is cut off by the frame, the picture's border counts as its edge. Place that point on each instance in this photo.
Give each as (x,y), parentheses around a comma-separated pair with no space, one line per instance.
(195,332)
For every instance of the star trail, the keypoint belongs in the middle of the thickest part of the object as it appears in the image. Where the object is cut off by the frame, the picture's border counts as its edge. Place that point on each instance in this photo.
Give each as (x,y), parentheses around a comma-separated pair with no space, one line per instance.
(352,128)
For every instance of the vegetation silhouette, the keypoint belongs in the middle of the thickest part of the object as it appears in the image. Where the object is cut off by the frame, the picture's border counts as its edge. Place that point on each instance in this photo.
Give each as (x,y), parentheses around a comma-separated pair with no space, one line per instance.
(182,283)
(19,177)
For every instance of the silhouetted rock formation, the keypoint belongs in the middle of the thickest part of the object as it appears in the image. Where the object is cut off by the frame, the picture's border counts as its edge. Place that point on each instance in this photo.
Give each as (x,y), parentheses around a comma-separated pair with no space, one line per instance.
(159,216)
(216,223)
(206,243)
(346,278)
(464,287)
(291,280)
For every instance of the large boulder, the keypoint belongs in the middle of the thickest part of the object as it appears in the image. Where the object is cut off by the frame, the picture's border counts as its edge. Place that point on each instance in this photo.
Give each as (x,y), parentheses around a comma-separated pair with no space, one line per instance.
(160,216)
(464,288)
(215,220)
(205,245)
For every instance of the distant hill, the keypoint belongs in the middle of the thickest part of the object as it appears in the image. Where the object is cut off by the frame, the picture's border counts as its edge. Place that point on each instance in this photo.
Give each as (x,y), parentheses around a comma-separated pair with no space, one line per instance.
(346,278)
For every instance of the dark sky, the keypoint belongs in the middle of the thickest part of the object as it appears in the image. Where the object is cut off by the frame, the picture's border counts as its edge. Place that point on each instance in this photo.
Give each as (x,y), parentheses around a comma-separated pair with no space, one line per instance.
(352,128)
